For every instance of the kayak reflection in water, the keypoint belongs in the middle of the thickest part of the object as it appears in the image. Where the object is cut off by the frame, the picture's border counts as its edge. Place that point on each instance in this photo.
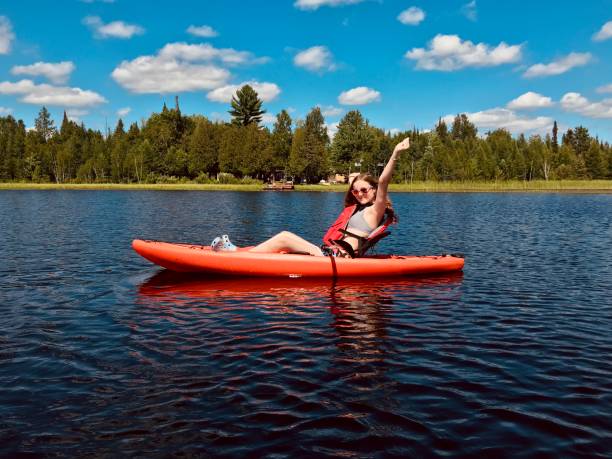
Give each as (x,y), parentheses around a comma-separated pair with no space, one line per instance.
(184,291)
(367,204)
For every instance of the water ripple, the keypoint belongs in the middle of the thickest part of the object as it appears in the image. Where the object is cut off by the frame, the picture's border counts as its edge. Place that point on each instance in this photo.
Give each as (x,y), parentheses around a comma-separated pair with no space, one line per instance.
(103,355)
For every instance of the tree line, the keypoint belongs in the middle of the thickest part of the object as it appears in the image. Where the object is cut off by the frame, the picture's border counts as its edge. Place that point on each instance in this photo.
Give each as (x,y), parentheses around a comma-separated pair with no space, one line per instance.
(170,147)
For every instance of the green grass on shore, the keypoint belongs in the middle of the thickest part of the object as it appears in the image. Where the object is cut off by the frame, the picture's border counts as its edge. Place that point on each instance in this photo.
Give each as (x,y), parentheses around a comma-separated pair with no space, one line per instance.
(131,186)
(586,186)
(509,186)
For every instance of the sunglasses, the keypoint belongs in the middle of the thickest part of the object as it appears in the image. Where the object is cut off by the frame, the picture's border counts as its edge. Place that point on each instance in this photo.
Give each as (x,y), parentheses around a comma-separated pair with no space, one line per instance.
(361,190)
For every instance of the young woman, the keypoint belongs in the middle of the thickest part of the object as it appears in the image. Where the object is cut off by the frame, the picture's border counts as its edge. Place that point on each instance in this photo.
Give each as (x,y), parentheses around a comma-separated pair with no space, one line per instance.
(368,194)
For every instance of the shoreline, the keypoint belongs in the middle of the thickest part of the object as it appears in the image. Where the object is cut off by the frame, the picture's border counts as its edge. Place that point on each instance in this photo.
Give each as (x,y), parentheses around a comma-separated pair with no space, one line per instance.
(563,186)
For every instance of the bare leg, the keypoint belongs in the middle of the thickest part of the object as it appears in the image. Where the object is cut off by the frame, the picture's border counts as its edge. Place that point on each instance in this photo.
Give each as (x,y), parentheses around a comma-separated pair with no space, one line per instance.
(289,242)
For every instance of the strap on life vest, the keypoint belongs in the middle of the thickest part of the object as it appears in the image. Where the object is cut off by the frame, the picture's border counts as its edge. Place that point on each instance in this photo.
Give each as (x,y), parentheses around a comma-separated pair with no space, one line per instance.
(337,231)
(333,233)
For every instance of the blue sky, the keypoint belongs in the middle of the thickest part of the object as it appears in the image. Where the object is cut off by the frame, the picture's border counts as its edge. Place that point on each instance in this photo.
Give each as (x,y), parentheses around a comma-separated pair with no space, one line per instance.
(507,64)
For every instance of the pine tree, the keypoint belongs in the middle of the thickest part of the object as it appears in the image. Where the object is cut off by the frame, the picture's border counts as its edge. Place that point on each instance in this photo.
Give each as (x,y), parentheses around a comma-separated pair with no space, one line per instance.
(297,161)
(442,130)
(281,139)
(502,150)
(119,129)
(354,141)
(65,127)
(118,153)
(315,126)
(133,134)
(463,128)
(44,125)
(555,141)
(380,149)
(203,148)
(522,151)
(408,165)
(314,148)
(595,161)
(256,154)
(12,140)
(582,140)
(568,138)
(33,167)
(163,131)
(246,107)
(229,149)
(564,163)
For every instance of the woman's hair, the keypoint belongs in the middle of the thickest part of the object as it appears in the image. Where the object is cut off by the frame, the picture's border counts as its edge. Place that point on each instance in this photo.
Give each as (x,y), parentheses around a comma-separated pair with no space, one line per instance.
(349,198)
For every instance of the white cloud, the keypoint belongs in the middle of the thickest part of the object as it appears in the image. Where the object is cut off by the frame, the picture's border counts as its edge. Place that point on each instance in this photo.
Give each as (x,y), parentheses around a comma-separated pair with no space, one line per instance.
(115,29)
(575,102)
(316,4)
(359,96)
(57,73)
(202,31)
(75,114)
(6,35)
(152,74)
(331,111)
(530,100)
(207,52)
(502,118)
(180,67)
(268,118)
(219,117)
(123,112)
(332,129)
(315,59)
(266,91)
(450,52)
(411,16)
(559,66)
(605,88)
(45,94)
(469,10)
(604,33)
(5,111)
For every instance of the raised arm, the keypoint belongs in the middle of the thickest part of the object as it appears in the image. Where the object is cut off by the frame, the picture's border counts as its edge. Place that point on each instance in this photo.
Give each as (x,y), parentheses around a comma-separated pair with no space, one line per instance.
(385,177)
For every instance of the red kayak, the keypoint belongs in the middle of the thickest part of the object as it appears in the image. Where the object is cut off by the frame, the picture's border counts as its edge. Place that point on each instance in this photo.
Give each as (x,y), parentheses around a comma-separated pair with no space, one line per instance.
(201,259)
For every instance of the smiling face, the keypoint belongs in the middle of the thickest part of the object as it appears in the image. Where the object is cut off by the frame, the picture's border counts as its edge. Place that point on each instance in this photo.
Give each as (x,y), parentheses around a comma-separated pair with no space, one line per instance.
(363,191)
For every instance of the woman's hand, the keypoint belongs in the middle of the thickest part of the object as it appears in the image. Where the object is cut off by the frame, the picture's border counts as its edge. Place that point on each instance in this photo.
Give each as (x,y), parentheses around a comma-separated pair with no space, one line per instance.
(403,145)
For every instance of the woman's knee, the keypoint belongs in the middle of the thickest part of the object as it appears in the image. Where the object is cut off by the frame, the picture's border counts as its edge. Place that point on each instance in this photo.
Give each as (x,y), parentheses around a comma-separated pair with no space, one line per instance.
(286,235)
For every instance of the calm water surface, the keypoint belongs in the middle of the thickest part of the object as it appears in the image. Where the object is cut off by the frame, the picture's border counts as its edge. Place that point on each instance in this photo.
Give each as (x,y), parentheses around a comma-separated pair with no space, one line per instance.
(103,354)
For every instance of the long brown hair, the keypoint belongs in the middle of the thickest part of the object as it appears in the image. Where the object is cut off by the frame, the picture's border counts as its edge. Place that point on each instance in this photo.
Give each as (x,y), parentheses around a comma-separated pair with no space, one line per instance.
(350,199)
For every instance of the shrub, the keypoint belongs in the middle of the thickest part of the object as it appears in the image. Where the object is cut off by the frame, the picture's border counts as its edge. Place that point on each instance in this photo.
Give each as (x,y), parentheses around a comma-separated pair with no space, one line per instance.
(204,178)
(226,178)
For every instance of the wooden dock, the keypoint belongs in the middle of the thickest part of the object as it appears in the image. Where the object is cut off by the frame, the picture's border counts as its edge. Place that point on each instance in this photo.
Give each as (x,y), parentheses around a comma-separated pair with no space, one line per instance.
(279,186)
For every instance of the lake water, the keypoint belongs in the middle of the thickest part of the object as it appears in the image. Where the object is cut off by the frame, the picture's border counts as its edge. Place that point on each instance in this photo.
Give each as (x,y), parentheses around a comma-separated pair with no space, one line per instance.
(104,354)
